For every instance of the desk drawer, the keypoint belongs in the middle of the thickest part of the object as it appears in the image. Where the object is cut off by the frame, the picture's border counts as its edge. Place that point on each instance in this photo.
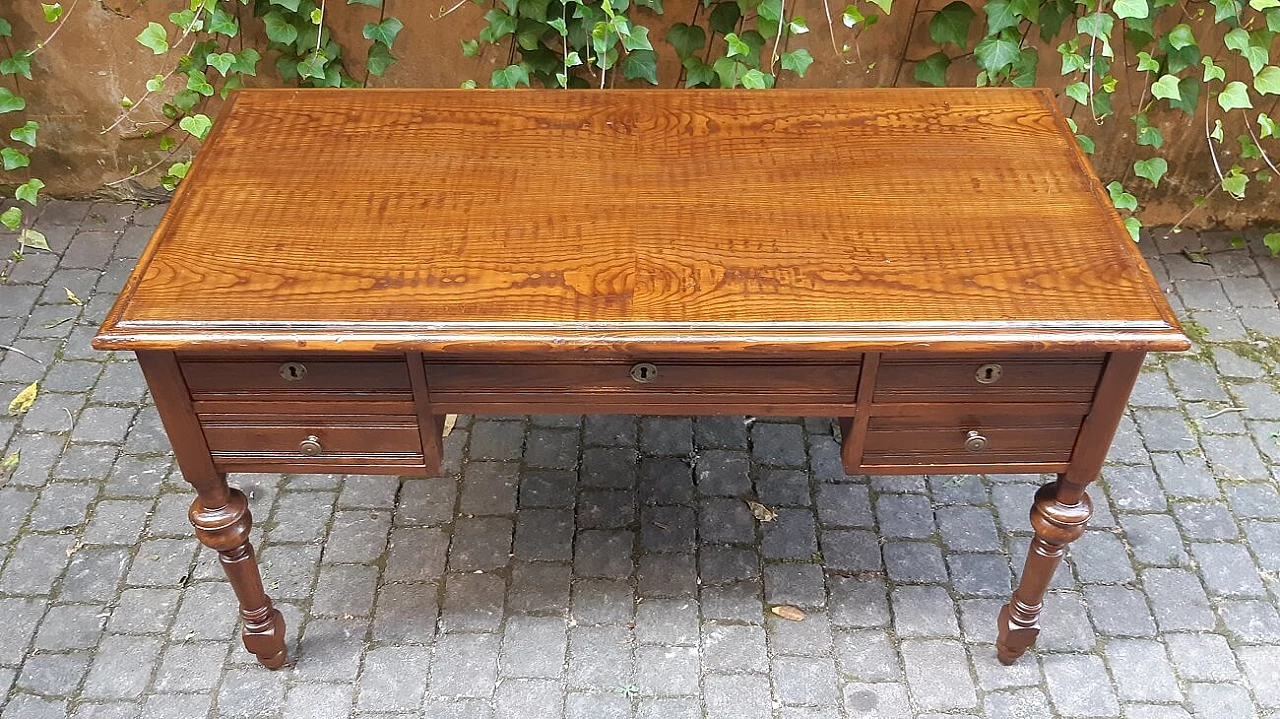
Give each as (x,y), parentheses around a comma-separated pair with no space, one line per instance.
(645,385)
(987,378)
(237,440)
(296,375)
(982,437)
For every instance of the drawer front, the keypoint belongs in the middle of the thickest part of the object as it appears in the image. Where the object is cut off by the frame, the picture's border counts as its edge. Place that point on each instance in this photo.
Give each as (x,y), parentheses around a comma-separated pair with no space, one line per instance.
(644,383)
(987,378)
(327,440)
(300,375)
(979,438)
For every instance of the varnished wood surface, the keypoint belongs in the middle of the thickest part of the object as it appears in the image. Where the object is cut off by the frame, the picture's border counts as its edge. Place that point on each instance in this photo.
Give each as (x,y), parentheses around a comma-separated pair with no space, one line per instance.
(640,221)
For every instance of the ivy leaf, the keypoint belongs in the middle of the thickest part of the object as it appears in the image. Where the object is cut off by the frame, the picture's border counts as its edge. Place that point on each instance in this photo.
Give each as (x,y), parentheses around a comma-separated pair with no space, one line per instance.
(6,30)
(312,66)
(509,77)
(1131,9)
(1267,126)
(222,22)
(1235,182)
(198,83)
(1237,39)
(1248,150)
(951,24)
(1272,241)
(1134,226)
(279,29)
(10,102)
(1234,95)
(221,61)
(384,32)
(291,5)
(1217,130)
(370,3)
(471,48)
(154,38)
(736,46)
(1225,10)
(29,191)
(724,17)
(933,69)
(156,83)
(1121,199)
(1152,169)
(1268,81)
(686,39)
(1182,36)
(1086,143)
(13,159)
(500,25)
(52,11)
(637,38)
(753,79)
(11,218)
(1146,63)
(698,73)
(797,61)
(1166,88)
(379,59)
(1261,5)
(852,16)
(640,64)
(1146,133)
(886,6)
(18,64)
(33,239)
(1000,15)
(1096,24)
(769,12)
(1079,92)
(1189,88)
(994,54)
(797,26)
(247,61)
(198,125)
(25,133)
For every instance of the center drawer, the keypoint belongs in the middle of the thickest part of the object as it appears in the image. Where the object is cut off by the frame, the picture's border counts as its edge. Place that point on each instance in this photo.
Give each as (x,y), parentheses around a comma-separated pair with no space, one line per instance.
(646,385)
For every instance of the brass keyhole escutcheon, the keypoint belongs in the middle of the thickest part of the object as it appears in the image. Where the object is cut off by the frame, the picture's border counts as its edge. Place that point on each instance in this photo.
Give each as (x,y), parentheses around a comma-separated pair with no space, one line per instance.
(975,442)
(644,372)
(293,371)
(310,446)
(989,373)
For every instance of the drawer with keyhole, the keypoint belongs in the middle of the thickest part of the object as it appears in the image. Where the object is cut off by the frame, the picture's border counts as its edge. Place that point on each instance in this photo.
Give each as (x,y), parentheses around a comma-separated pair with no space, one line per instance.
(916,377)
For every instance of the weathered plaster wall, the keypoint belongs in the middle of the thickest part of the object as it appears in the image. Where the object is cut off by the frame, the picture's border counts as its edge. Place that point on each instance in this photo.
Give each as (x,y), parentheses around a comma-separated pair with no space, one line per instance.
(94,61)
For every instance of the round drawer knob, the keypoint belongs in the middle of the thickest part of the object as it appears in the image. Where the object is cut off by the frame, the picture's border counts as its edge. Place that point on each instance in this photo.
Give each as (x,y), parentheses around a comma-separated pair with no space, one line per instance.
(644,372)
(293,371)
(975,442)
(989,373)
(310,446)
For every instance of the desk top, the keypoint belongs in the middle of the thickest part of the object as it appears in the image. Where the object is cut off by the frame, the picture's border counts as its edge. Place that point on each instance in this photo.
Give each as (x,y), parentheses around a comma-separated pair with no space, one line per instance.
(647,220)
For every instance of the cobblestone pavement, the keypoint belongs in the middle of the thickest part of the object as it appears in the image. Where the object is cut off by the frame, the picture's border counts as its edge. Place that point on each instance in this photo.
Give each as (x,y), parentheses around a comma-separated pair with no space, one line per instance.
(632,581)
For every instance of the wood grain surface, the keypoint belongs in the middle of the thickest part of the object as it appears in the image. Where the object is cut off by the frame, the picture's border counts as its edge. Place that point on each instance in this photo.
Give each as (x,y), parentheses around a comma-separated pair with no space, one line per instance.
(453,221)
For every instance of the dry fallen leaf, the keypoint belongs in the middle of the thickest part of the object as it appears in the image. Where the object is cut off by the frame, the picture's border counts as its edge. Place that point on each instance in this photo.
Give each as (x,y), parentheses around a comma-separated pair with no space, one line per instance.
(449,421)
(71,297)
(761,512)
(9,464)
(788,612)
(24,400)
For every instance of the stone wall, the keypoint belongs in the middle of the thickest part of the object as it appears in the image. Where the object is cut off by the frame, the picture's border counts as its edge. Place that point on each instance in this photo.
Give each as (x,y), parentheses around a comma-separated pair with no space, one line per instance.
(94,62)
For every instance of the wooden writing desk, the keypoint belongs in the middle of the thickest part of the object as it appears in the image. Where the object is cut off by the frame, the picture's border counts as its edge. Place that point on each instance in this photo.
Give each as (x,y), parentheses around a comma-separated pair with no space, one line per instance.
(937,268)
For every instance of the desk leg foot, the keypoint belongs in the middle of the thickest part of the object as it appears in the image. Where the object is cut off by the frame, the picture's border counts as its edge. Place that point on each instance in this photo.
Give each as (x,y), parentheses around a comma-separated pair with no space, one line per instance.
(1058,517)
(226,530)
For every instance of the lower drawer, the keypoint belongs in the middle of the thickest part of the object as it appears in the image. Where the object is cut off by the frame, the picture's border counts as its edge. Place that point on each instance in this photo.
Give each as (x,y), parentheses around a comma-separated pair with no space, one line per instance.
(975,439)
(646,385)
(238,441)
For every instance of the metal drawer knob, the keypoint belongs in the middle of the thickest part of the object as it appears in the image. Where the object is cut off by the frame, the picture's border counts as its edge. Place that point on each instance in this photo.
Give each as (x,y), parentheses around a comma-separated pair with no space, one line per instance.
(644,372)
(310,446)
(989,373)
(975,442)
(293,371)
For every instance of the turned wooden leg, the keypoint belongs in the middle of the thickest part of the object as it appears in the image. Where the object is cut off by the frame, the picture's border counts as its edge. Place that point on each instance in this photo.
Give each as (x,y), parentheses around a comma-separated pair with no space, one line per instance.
(1058,517)
(226,529)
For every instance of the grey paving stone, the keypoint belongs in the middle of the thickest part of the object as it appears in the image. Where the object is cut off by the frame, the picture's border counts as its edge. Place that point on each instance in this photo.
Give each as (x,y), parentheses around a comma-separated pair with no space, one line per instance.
(923,611)
(426,501)
(667,671)
(552,448)
(522,698)
(1193,380)
(1254,500)
(857,602)
(980,575)
(667,575)
(867,655)
(668,529)
(480,543)
(609,467)
(1220,700)
(1133,488)
(665,480)
(143,611)
(1016,704)
(318,701)
(607,509)
(811,637)
(914,562)
(968,529)
(825,463)
(472,602)
(602,601)
(406,613)
(730,648)
(1120,611)
(497,440)
(717,565)
(612,430)
(331,650)
(93,574)
(114,521)
(1164,430)
(344,590)
(1184,475)
(876,701)
(1078,685)
(667,621)
(723,431)
(1234,457)
(779,445)
(792,535)
(1154,539)
(852,550)
(1142,671)
(544,534)
(957,489)
(1153,390)
(744,696)
(937,673)
(416,554)
(53,674)
(736,602)
(250,693)
(597,706)
(1178,599)
(844,505)
(548,488)
(533,647)
(905,515)
(1100,557)
(539,587)
(1202,657)
(1262,667)
(666,435)
(668,708)
(1260,400)
(15,504)
(1250,621)
(994,676)
(28,706)
(1205,520)
(604,554)
(36,564)
(1228,570)
(1064,624)
(722,520)
(798,584)
(192,667)
(464,665)
(805,680)
(122,667)
(600,658)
